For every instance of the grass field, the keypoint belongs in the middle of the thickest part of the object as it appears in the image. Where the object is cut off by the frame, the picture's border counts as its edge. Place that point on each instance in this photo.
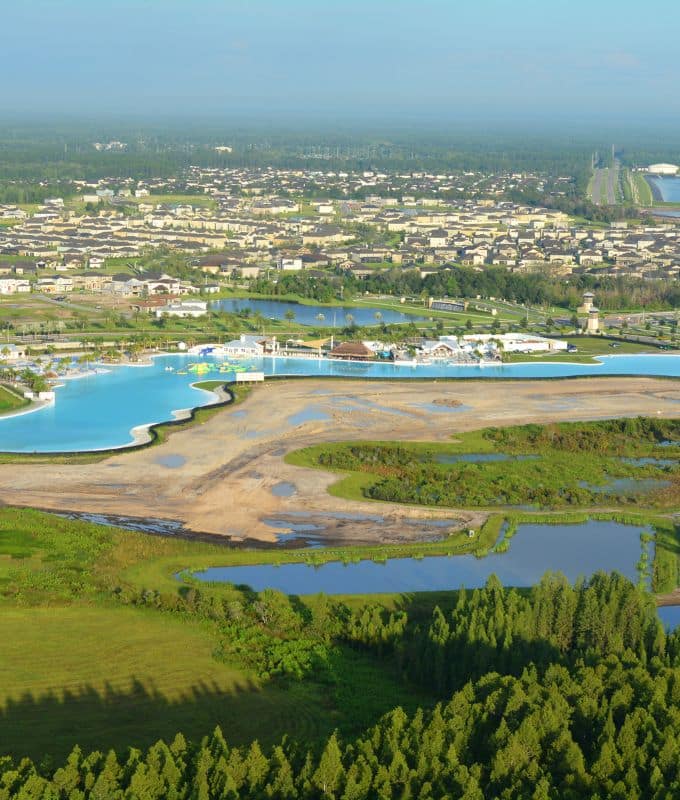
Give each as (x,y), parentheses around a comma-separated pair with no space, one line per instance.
(588,347)
(79,666)
(643,192)
(118,677)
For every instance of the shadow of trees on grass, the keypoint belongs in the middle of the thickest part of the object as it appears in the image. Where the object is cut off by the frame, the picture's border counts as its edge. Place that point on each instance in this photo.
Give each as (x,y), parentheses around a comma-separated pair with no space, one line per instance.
(139,714)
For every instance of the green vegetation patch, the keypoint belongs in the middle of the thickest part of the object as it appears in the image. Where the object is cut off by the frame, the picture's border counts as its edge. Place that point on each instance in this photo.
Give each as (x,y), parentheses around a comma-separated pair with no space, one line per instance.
(628,462)
(11,400)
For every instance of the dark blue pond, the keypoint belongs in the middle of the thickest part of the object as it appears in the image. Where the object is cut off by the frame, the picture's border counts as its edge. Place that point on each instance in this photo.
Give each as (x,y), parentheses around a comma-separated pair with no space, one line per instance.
(670,616)
(317,316)
(574,550)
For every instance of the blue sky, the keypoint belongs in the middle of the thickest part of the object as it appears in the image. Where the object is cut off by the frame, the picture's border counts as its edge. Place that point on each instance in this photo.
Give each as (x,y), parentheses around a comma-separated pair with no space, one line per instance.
(397,59)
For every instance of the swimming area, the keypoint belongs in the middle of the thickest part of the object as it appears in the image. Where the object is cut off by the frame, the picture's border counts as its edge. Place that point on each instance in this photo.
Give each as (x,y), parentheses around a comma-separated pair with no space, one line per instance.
(99,411)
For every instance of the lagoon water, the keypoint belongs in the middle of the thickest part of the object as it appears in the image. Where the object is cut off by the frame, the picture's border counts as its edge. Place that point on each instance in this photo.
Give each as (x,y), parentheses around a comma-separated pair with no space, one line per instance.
(574,550)
(333,316)
(99,411)
(668,187)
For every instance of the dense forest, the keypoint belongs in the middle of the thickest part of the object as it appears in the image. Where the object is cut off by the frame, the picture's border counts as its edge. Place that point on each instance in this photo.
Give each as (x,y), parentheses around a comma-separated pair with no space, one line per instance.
(557,692)
(64,150)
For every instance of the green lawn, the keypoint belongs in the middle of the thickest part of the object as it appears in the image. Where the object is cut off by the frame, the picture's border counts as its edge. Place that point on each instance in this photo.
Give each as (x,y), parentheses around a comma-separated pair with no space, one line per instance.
(588,347)
(11,400)
(118,677)
(643,188)
(79,664)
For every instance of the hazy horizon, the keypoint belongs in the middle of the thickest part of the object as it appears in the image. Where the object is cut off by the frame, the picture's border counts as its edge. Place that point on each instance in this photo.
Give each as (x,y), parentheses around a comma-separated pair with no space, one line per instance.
(400,63)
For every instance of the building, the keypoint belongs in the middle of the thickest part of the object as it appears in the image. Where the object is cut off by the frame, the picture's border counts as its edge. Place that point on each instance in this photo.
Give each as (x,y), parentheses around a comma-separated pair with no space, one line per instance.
(245,347)
(446,305)
(352,351)
(593,321)
(588,298)
(188,308)
(662,169)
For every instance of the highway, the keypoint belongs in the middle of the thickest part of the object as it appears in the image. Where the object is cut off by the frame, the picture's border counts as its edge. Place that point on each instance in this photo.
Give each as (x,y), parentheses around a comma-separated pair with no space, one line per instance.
(605,182)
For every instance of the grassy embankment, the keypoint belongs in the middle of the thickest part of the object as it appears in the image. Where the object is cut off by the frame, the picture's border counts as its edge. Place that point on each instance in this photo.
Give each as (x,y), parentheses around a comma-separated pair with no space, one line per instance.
(11,400)
(92,657)
(589,347)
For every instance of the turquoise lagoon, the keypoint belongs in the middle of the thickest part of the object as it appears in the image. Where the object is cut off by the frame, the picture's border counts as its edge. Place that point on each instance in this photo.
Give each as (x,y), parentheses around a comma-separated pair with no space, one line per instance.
(99,411)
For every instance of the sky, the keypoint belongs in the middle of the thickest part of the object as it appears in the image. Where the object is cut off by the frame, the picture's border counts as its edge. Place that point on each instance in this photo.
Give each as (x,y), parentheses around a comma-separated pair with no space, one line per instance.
(327,60)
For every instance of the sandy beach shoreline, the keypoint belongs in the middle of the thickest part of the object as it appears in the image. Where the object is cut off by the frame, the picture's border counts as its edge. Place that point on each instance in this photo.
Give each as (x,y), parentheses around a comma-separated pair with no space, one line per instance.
(219,476)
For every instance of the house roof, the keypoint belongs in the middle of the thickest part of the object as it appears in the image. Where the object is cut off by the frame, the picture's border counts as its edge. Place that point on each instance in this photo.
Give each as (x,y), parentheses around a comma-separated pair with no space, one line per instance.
(352,350)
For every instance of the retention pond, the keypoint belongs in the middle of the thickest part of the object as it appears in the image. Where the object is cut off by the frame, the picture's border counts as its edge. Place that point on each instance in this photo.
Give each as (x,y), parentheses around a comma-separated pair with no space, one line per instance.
(575,550)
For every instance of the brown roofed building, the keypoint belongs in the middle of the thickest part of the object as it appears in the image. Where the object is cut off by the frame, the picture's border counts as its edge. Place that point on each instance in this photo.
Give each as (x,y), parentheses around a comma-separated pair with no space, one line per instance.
(352,350)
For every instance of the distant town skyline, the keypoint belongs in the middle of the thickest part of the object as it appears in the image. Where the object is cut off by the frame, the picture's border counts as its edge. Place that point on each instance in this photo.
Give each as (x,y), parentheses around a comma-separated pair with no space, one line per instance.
(391,59)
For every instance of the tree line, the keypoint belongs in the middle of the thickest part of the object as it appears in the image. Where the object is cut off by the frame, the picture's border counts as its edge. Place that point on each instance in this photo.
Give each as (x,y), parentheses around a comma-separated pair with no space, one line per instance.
(560,692)
(534,289)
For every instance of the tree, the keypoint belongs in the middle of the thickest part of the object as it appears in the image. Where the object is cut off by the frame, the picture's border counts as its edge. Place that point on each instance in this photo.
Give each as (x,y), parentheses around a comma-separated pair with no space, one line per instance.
(330,771)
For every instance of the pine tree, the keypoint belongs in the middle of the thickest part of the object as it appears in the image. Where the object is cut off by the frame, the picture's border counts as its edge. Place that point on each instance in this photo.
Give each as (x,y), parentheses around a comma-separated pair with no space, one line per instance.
(330,772)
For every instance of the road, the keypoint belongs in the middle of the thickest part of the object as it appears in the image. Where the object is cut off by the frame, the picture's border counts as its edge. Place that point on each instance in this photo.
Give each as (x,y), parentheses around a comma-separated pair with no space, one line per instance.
(62,303)
(605,182)
(596,195)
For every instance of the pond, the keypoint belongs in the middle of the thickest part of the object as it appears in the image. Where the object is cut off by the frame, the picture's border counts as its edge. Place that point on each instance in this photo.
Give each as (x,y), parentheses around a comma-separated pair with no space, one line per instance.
(647,461)
(478,458)
(670,616)
(283,489)
(574,550)
(627,486)
(316,315)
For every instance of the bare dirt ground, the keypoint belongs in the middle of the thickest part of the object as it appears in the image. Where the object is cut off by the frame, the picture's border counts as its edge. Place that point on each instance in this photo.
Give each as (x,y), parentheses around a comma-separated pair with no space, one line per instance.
(223,476)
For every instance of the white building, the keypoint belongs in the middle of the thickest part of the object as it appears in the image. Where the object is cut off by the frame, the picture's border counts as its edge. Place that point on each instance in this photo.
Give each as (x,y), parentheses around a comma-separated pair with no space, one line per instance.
(188,308)
(663,169)
(244,347)
(14,285)
(517,342)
